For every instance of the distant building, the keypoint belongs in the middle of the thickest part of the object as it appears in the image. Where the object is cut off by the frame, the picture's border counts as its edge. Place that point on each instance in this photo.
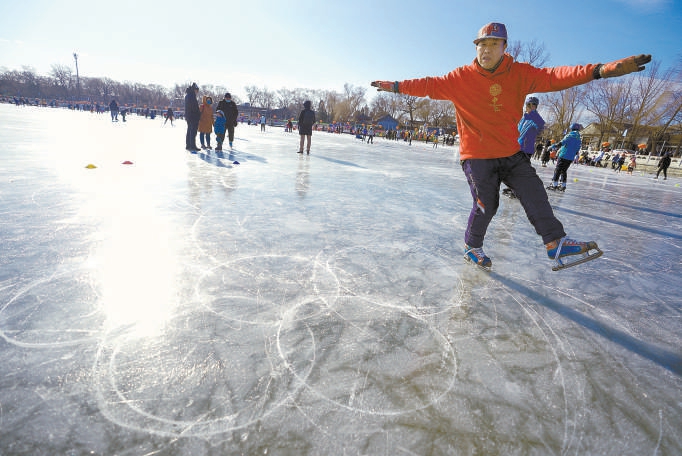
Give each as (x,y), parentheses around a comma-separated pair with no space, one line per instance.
(671,141)
(387,122)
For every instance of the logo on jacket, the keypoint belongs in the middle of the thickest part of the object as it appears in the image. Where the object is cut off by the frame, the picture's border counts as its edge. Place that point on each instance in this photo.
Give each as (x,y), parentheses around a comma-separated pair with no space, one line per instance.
(495,90)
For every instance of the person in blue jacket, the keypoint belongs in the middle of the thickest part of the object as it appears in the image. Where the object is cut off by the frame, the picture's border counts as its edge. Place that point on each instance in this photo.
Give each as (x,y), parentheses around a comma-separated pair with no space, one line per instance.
(529,126)
(570,146)
(219,128)
(192,115)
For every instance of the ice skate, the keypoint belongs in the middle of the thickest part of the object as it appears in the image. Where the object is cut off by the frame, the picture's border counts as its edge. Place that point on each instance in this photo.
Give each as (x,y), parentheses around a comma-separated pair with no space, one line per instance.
(567,252)
(551,187)
(475,255)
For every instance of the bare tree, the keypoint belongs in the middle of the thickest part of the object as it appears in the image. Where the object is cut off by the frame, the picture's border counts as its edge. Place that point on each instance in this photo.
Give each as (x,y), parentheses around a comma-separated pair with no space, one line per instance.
(409,106)
(424,110)
(321,114)
(650,87)
(62,76)
(354,97)
(284,98)
(343,111)
(532,52)
(252,93)
(670,108)
(443,113)
(267,99)
(31,80)
(386,103)
(332,100)
(565,107)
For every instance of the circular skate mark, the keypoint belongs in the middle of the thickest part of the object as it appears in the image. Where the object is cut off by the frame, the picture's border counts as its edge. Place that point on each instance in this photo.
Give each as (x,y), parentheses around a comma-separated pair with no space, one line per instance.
(59,310)
(530,343)
(260,289)
(369,359)
(403,278)
(204,378)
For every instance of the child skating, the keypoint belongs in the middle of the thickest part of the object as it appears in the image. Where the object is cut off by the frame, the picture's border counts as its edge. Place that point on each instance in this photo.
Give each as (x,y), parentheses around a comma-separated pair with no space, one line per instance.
(568,149)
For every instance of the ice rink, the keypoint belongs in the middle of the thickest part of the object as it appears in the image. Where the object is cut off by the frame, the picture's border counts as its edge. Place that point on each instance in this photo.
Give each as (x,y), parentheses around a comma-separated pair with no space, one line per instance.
(320,305)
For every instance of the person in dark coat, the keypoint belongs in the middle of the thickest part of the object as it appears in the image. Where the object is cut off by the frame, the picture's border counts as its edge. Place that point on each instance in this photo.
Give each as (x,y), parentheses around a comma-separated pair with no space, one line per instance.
(663,165)
(113,108)
(192,115)
(305,125)
(231,112)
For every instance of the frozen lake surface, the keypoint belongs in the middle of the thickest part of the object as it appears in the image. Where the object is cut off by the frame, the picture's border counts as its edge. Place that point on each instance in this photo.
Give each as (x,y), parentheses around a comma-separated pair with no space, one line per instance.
(310,305)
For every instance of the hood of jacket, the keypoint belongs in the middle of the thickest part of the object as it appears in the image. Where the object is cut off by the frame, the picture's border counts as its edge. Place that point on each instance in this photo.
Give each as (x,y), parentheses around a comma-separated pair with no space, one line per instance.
(503,67)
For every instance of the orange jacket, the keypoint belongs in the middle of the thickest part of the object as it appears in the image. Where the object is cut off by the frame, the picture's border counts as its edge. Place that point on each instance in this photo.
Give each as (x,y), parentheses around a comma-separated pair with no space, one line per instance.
(206,119)
(489,105)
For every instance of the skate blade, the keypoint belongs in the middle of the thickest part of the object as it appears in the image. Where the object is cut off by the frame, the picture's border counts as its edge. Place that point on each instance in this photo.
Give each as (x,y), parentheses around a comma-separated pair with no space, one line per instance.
(575,260)
(482,268)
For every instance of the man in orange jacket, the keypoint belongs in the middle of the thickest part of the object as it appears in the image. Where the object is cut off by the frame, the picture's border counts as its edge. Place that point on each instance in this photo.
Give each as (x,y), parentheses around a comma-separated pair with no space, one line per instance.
(486,95)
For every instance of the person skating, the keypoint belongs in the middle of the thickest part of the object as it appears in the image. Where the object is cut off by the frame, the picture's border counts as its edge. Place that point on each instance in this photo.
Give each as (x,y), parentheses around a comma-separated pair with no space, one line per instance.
(169,116)
(529,126)
(600,156)
(620,163)
(305,125)
(486,95)
(192,115)
(632,164)
(663,165)
(231,112)
(568,149)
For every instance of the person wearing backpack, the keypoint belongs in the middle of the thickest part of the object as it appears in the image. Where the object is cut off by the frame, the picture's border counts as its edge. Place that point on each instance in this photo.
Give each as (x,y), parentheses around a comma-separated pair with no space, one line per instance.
(305,125)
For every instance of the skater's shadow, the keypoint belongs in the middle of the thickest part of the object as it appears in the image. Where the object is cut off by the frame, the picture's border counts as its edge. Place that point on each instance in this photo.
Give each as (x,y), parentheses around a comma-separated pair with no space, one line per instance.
(233,155)
(637,208)
(661,356)
(634,226)
(213,160)
(340,162)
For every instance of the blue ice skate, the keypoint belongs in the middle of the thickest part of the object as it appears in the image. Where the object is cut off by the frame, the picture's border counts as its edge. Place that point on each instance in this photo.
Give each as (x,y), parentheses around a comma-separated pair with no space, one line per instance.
(568,252)
(476,256)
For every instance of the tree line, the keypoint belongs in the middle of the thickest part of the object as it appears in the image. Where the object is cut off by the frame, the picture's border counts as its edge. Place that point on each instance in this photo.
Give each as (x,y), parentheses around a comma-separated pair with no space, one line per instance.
(641,104)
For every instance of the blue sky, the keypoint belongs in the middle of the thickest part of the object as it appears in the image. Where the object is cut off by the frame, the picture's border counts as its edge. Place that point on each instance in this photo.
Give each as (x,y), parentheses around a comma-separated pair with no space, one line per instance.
(318,44)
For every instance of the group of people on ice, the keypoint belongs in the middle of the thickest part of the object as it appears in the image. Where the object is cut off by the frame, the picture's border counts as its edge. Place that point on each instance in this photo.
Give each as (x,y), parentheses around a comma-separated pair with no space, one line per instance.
(202,120)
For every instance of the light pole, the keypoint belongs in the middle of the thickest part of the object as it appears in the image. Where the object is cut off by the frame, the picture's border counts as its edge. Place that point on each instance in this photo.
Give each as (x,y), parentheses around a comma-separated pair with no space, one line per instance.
(78,81)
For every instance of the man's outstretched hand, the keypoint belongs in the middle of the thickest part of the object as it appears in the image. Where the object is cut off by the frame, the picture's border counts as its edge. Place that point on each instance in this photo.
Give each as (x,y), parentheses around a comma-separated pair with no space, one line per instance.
(386,86)
(624,66)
